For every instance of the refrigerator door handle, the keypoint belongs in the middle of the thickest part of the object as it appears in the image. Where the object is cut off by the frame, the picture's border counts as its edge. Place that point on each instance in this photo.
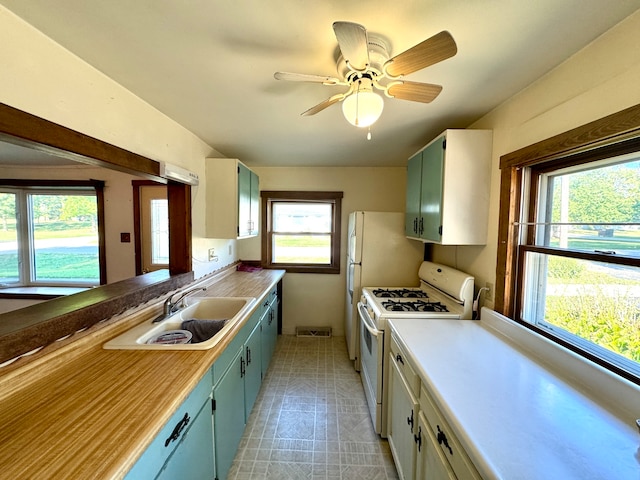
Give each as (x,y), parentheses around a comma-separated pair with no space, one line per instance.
(350,266)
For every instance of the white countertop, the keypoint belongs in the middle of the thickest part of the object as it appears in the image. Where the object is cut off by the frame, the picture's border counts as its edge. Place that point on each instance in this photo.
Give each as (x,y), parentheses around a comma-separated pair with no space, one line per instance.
(516,419)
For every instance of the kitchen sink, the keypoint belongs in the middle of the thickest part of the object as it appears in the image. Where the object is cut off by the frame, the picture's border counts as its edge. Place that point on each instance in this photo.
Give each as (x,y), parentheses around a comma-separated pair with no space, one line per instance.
(231,309)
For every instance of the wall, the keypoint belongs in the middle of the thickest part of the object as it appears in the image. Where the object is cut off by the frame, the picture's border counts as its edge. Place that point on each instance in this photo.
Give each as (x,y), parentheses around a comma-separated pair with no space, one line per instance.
(42,78)
(601,79)
(314,299)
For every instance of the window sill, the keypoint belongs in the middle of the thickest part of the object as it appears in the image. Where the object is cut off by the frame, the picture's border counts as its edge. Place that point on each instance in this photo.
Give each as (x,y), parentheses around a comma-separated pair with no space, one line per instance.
(303,268)
(39,293)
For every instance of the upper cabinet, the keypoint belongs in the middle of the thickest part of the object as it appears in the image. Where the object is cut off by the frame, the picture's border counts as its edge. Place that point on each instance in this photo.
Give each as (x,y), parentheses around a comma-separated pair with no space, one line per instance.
(232,199)
(448,187)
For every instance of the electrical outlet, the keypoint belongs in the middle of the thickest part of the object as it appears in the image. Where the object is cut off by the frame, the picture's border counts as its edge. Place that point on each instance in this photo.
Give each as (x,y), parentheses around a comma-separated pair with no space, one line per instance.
(488,293)
(212,254)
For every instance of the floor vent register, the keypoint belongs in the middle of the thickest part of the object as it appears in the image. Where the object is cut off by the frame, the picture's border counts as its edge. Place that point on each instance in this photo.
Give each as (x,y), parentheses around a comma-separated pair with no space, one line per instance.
(313,331)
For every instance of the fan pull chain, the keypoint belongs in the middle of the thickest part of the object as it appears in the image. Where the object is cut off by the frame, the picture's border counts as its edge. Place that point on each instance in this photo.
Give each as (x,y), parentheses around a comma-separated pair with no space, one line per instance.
(358,104)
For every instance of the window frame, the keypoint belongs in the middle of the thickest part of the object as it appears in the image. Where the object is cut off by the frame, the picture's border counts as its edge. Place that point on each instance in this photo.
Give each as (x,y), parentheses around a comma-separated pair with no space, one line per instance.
(615,135)
(62,187)
(269,197)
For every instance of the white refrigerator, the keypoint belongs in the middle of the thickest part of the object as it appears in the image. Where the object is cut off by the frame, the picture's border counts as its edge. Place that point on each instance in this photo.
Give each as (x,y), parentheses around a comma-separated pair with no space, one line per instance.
(378,255)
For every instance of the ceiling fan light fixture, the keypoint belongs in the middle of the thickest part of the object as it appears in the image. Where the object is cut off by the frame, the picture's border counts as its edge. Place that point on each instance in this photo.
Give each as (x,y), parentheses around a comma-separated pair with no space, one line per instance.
(363,107)
(363,62)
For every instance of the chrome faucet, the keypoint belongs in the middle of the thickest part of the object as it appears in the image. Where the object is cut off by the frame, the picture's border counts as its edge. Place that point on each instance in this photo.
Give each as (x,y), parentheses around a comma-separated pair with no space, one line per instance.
(170,307)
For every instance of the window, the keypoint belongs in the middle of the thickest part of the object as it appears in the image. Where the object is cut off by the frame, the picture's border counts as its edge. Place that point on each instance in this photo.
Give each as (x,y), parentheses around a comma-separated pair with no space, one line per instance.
(569,248)
(301,231)
(575,278)
(160,231)
(49,235)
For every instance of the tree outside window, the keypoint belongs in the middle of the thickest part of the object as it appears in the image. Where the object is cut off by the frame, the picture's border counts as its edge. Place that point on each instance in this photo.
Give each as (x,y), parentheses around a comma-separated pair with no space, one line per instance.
(49,236)
(569,246)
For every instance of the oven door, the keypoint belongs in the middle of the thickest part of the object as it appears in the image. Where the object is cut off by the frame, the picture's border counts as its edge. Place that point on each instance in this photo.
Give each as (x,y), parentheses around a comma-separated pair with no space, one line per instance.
(371,356)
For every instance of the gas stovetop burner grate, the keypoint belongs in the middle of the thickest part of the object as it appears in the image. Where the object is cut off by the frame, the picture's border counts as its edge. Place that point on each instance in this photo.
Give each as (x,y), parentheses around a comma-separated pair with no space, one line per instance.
(415,306)
(399,293)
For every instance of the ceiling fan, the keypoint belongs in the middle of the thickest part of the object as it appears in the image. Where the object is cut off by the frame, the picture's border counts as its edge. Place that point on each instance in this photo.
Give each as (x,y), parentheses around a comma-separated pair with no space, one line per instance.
(364,64)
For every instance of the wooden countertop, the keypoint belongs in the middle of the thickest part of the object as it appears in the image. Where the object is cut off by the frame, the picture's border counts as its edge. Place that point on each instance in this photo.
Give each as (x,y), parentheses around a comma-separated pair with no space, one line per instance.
(85,412)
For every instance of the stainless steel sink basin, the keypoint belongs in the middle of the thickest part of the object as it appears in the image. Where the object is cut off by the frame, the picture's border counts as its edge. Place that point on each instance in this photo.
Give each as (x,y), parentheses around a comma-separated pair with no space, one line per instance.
(231,309)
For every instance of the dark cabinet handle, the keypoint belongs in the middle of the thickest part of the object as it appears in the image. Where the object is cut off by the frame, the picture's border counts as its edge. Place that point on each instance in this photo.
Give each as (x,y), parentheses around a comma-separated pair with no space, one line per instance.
(270,316)
(178,429)
(415,225)
(421,229)
(242,370)
(410,420)
(442,439)
(248,355)
(399,359)
(418,438)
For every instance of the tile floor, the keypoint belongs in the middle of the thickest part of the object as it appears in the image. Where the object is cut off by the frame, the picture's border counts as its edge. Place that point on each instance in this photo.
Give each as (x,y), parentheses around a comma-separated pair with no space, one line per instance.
(311,419)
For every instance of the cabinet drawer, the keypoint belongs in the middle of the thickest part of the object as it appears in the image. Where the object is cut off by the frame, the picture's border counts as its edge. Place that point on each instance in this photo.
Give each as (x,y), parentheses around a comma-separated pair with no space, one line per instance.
(273,296)
(448,443)
(401,359)
(169,437)
(269,300)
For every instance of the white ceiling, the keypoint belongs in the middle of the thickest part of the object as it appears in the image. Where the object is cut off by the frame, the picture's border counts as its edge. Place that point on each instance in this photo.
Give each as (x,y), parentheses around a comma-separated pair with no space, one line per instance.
(209,64)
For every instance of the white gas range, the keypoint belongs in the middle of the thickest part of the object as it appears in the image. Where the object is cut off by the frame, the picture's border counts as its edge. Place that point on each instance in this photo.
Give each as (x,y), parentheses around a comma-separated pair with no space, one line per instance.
(444,293)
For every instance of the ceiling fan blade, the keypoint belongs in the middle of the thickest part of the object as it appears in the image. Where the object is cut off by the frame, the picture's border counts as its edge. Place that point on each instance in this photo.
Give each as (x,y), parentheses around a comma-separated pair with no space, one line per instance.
(354,44)
(414,91)
(429,52)
(327,103)
(303,77)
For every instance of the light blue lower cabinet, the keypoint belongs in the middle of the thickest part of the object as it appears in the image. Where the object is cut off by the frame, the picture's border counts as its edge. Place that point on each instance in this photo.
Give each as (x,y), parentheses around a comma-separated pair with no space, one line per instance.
(253,369)
(269,324)
(171,443)
(228,414)
(193,457)
(202,438)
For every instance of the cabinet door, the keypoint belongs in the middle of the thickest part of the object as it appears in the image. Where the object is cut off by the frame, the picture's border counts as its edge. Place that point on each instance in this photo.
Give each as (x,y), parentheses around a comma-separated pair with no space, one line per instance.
(171,435)
(431,194)
(254,205)
(412,210)
(401,423)
(275,321)
(244,201)
(229,414)
(431,463)
(269,335)
(193,457)
(253,370)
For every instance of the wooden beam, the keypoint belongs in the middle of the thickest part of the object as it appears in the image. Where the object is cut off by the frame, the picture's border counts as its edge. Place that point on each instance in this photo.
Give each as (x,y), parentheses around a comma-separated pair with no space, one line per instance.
(180,234)
(28,130)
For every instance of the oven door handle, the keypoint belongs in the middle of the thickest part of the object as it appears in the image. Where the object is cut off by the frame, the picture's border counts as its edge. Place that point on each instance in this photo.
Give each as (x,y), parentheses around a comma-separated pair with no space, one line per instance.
(366,320)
